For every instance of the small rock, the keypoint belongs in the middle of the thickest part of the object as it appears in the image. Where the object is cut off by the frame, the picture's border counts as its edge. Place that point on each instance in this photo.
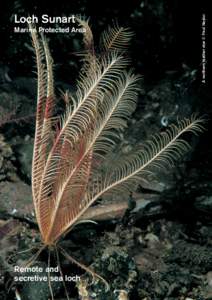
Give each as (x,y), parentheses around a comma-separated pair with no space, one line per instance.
(151,239)
(209,279)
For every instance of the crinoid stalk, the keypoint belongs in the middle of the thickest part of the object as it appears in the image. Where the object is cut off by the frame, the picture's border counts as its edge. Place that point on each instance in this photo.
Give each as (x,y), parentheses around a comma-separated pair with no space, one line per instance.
(69,148)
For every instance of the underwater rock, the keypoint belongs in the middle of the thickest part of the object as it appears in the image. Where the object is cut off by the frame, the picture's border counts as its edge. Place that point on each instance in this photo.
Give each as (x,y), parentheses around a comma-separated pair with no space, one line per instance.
(16,199)
(24,151)
(197,257)
(204,203)
(7,169)
(119,269)
(38,290)
(4,73)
